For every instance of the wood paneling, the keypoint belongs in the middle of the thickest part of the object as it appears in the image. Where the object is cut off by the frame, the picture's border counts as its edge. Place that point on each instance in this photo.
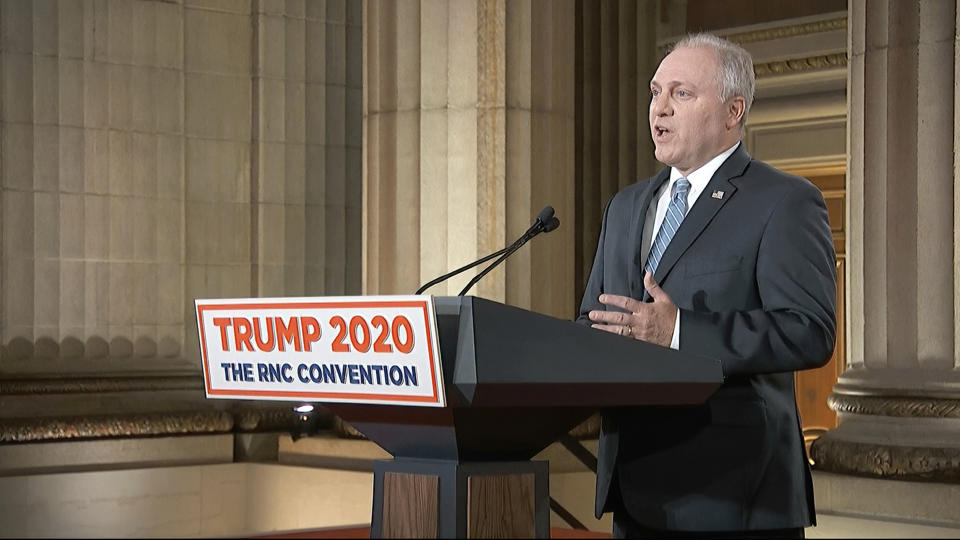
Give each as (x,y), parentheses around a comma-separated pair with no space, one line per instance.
(814,386)
(501,506)
(410,505)
(830,182)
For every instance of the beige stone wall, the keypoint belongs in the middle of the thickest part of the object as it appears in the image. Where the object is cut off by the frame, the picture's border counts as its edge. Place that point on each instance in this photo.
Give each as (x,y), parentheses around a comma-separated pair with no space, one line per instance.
(469,132)
(154,152)
(222,500)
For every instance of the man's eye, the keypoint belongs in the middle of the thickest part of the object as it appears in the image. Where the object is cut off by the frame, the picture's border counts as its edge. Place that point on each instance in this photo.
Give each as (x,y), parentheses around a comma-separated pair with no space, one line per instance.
(654,93)
(682,93)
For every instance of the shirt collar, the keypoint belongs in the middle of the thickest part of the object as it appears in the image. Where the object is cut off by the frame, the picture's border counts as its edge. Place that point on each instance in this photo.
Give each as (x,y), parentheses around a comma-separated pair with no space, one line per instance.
(701,177)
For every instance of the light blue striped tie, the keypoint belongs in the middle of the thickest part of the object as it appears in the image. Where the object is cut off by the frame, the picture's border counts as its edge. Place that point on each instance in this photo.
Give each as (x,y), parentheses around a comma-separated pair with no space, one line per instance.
(671,222)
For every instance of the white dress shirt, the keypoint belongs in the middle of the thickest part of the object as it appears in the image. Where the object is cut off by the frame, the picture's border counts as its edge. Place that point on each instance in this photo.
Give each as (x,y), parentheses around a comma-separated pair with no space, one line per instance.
(658,210)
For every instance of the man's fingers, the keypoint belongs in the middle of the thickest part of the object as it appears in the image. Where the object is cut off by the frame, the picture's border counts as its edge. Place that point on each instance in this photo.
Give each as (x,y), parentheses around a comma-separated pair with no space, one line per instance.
(612,328)
(653,288)
(623,302)
(614,317)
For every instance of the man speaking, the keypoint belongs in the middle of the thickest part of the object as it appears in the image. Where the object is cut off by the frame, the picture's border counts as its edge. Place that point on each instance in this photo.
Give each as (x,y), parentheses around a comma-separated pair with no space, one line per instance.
(721,256)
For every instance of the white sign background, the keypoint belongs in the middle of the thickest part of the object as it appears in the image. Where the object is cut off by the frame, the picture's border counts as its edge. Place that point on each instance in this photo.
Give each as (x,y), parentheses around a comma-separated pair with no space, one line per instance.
(304,379)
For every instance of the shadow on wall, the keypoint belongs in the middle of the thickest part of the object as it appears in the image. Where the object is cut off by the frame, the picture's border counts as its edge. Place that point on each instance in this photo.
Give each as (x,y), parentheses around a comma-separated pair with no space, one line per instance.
(47,348)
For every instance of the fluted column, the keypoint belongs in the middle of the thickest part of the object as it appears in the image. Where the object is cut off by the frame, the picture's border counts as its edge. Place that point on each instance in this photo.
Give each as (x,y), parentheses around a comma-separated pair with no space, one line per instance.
(899,398)
(92,190)
(155,152)
(305,170)
(468,132)
(617,53)
(956,188)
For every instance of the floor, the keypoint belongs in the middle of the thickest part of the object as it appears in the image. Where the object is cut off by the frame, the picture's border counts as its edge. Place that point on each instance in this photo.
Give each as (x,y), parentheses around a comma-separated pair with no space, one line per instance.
(834,526)
(364,532)
(830,526)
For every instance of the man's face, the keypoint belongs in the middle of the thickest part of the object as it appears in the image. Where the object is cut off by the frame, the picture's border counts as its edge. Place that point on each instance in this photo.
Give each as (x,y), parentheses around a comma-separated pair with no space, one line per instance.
(688,122)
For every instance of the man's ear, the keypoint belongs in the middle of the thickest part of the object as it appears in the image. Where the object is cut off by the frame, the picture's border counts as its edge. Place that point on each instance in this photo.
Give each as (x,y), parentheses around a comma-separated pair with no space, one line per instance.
(736,108)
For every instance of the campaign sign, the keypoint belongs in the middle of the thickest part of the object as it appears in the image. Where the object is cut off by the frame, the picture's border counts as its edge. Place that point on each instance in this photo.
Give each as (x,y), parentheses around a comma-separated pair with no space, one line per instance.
(360,349)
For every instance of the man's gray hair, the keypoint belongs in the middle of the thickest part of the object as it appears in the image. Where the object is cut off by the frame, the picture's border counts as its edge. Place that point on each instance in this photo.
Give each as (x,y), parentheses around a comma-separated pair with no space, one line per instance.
(734,66)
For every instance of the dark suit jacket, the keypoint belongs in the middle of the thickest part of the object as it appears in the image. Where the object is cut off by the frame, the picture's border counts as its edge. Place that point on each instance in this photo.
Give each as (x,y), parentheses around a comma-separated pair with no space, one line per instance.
(753,272)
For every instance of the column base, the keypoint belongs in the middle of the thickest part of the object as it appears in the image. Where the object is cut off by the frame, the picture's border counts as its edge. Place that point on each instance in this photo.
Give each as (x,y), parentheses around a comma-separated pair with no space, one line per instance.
(919,503)
(886,461)
(887,433)
(892,383)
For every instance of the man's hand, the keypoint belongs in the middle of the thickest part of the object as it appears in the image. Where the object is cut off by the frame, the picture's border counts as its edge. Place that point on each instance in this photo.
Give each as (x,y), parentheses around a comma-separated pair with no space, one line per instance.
(652,322)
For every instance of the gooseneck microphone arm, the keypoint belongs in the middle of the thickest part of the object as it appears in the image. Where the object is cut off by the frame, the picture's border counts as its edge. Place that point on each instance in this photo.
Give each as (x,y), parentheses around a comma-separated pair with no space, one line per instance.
(448,275)
(545,223)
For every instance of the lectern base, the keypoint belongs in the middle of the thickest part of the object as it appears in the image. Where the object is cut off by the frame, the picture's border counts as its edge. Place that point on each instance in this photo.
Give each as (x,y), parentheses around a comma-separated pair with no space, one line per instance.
(419,498)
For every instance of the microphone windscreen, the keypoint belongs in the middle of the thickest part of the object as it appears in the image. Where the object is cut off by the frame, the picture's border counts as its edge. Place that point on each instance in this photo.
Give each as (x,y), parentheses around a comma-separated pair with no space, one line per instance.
(545,214)
(551,225)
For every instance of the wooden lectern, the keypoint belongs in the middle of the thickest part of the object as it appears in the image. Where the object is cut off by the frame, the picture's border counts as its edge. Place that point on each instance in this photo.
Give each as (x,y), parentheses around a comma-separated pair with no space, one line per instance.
(515,381)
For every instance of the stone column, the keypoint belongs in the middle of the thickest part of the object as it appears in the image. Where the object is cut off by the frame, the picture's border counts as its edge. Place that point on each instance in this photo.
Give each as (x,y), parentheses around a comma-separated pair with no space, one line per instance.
(92,184)
(155,152)
(617,55)
(468,132)
(305,156)
(899,399)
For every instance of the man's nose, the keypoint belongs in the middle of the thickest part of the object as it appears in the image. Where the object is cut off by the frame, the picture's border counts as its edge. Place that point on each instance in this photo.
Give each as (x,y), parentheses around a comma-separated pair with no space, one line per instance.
(660,105)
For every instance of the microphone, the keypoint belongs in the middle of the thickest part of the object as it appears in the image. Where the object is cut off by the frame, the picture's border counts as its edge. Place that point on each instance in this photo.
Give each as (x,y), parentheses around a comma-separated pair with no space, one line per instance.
(542,218)
(545,222)
(448,275)
(551,225)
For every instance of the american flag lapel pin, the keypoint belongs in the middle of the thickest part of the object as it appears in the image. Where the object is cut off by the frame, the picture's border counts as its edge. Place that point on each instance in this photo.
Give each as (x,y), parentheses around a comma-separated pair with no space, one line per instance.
(717,194)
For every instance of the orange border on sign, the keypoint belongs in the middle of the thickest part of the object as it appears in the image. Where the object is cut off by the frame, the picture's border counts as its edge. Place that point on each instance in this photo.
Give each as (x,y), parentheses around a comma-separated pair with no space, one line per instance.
(320,395)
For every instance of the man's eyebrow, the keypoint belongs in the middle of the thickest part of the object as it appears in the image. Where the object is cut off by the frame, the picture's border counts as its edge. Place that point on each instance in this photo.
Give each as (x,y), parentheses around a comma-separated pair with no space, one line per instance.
(671,83)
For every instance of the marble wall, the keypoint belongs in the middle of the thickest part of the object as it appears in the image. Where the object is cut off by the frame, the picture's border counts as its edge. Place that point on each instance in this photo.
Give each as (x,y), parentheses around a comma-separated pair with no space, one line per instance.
(154,152)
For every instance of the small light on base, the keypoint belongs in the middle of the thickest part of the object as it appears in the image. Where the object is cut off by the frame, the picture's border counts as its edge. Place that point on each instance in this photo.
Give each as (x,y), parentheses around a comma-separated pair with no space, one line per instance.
(305,408)
(307,419)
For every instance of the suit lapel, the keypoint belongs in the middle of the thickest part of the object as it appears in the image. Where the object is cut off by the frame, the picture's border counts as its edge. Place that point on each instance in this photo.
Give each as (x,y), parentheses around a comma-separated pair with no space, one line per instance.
(640,216)
(703,210)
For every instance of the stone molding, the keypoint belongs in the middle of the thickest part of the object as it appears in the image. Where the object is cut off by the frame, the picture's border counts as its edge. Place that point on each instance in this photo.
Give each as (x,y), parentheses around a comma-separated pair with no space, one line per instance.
(241,419)
(774,32)
(910,407)
(832,453)
(278,418)
(800,65)
(345,431)
(886,461)
(85,385)
(780,32)
(104,426)
(202,417)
